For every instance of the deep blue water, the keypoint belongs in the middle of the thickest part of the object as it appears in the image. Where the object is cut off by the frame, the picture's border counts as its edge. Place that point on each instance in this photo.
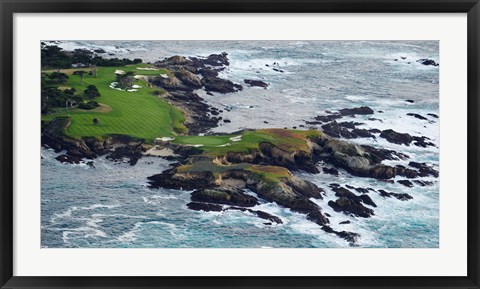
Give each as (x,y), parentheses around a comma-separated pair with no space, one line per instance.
(110,206)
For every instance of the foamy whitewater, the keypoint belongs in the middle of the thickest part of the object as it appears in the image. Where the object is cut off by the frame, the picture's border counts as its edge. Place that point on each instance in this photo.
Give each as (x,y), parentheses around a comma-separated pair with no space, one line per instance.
(111,206)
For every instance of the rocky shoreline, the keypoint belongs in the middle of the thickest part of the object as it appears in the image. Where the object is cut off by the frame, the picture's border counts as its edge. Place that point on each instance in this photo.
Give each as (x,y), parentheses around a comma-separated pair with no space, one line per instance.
(218,182)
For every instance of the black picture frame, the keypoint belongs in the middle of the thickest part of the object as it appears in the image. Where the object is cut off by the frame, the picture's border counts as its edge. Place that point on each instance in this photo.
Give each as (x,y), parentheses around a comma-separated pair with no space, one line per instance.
(9,7)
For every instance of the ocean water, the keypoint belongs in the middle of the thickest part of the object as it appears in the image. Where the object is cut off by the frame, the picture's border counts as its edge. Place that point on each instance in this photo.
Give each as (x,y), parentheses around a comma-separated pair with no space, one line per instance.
(110,205)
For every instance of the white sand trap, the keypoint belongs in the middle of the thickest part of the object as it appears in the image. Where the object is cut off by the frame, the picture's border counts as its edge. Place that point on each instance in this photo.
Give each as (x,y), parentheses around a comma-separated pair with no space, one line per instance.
(160,152)
(236,138)
(146,68)
(165,138)
(136,86)
(132,90)
(118,71)
(164,75)
(195,145)
(139,76)
(224,145)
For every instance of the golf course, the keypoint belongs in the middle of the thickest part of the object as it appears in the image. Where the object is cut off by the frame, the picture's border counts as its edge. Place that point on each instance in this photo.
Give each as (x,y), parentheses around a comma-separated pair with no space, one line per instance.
(138,113)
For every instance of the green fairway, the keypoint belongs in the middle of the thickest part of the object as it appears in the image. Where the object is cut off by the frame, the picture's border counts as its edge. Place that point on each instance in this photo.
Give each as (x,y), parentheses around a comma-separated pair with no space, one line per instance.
(139,114)
(288,140)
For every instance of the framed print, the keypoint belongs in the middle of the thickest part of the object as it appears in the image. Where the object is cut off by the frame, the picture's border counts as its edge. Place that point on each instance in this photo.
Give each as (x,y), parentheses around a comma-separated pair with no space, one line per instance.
(201,144)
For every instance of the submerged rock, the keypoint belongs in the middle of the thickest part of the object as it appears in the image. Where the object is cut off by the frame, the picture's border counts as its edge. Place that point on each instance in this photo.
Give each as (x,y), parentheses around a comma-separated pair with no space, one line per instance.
(416,115)
(349,236)
(401,197)
(258,83)
(428,62)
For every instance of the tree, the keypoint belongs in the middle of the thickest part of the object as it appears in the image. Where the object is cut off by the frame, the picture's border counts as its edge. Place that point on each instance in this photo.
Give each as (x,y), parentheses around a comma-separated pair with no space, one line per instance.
(81,73)
(96,121)
(91,92)
(55,57)
(82,56)
(58,77)
(125,81)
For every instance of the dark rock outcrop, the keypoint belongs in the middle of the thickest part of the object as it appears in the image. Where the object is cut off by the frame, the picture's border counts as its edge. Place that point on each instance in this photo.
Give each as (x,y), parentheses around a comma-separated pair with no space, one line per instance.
(330,171)
(395,137)
(130,153)
(428,62)
(258,83)
(424,170)
(225,196)
(204,207)
(406,183)
(170,179)
(363,110)
(68,159)
(260,214)
(401,197)
(351,204)
(220,85)
(349,236)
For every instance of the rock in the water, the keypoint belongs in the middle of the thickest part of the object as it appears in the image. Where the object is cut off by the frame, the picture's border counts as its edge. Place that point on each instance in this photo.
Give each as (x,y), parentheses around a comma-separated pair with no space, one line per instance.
(349,124)
(182,181)
(68,159)
(428,62)
(416,115)
(224,196)
(395,137)
(258,83)
(406,183)
(220,85)
(342,192)
(330,171)
(349,203)
(344,222)
(363,110)
(260,214)
(401,197)
(423,183)
(326,118)
(349,236)
(432,115)
(424,169)
(204,207)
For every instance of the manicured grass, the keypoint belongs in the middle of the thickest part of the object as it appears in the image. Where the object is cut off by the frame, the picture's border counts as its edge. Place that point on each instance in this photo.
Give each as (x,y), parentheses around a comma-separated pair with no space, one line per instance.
(288,140)
(139,114)
(270,174)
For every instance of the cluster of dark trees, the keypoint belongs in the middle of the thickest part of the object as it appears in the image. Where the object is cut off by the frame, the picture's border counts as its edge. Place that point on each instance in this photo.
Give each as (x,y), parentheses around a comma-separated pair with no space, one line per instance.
(52,97)
(125,81)
(54,57)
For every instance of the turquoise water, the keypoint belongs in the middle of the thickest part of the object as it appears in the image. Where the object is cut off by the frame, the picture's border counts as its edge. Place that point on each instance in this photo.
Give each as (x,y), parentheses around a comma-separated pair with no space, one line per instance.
(110,205)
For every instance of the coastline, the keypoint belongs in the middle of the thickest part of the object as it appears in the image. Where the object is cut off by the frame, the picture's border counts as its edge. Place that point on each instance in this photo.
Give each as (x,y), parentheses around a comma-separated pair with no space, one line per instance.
(326,150)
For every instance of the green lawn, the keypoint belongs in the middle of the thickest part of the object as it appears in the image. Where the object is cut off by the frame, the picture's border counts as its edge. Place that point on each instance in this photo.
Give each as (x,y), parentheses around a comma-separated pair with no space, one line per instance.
(288,140)
(138,114)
